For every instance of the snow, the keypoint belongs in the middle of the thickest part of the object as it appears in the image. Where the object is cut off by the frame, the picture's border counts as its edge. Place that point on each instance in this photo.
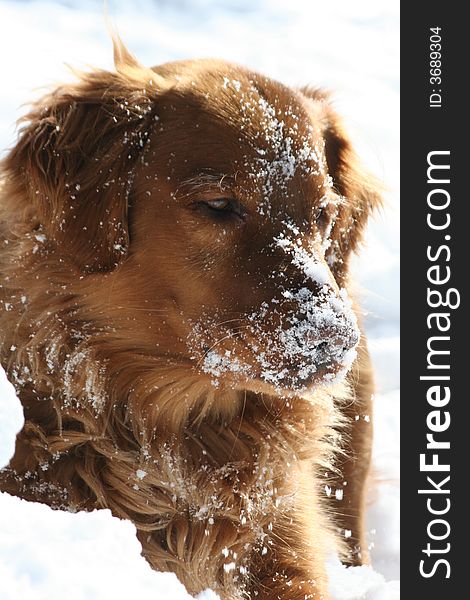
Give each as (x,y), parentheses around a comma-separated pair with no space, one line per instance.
(279,157)
(304,260)
(360,583)
(47,555)
(11,419)
(347,47)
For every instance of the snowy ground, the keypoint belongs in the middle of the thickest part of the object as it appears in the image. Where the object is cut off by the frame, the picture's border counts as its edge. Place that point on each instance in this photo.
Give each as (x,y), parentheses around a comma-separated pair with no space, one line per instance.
(348,47)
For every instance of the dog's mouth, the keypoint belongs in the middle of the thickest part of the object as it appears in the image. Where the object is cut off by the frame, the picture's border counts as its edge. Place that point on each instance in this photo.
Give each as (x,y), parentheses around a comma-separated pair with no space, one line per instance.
(289,345)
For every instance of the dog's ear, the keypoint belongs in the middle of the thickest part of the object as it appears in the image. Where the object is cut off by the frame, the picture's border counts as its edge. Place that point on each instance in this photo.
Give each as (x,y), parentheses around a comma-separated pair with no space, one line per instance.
(76,156)
(360,191)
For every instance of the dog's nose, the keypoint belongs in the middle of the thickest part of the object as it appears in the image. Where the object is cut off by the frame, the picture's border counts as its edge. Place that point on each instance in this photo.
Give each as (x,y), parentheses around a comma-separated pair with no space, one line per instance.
(314,337)
(331,346)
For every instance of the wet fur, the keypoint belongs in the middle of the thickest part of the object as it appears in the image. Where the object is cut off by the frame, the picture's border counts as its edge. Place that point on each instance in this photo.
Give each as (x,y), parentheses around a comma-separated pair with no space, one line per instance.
(225,485)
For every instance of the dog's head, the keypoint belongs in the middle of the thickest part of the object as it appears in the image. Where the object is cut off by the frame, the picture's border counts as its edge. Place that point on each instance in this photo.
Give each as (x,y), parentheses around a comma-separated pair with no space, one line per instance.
(207,215)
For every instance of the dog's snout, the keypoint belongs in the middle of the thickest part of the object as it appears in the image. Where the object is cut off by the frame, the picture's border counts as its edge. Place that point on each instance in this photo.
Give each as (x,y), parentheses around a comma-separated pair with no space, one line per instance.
(303,262)
(323,331)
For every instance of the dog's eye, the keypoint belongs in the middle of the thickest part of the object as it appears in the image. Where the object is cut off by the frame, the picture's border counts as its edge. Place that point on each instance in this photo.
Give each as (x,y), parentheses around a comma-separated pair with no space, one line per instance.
(222,208)
(325,214)
(324,217)
(321,217)
(219,204)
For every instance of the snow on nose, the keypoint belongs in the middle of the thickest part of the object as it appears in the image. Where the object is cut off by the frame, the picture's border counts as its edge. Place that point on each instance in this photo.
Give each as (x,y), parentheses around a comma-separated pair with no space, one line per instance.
(304,258)
(322,332)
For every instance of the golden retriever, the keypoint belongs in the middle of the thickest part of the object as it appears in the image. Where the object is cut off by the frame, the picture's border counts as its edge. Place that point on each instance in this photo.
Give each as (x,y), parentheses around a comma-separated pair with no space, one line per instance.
(175,244)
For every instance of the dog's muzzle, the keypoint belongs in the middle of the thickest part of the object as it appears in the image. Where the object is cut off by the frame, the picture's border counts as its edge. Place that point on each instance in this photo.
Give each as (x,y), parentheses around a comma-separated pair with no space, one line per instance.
(314,342)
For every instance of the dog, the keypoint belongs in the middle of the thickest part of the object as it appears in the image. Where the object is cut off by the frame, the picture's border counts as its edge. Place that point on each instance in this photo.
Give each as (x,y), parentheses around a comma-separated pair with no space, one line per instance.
(175,245)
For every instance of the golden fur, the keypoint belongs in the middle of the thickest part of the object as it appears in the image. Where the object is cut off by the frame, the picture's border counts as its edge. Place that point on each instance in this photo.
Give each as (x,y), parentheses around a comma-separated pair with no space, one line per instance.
(118,280)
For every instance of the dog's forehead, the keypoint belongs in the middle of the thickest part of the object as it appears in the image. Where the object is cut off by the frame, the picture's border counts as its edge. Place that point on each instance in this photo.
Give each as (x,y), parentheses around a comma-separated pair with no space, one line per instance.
(283,144)
(266,133)
(268,116)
